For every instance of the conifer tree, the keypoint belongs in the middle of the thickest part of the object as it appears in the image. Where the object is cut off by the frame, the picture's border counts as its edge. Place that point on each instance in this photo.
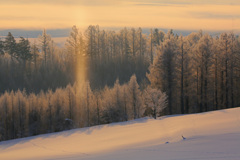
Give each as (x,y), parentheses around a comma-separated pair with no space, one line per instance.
(10,45)
(45,40)
(1,47)
(135,100)
(35,54)
(23,50)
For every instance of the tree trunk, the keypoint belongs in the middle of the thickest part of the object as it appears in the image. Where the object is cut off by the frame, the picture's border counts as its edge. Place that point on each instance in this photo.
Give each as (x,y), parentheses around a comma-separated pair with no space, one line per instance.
(140,43)
(226,66)
(216,83)
(197,90)
(222,90)
(201,87)
(151,49)
(182,92)
(205,89)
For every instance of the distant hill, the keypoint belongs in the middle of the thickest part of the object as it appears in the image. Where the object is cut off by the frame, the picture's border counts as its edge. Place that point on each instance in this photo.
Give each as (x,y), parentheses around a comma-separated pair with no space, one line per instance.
(35,33)
(65,32)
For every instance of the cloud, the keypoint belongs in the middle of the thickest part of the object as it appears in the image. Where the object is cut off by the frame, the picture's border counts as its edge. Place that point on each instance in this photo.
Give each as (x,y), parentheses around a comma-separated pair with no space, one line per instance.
(208,15)
(150,4)
(121,2)
(177,14)
(186,2)
(159,4)
(62,2)
(31,18)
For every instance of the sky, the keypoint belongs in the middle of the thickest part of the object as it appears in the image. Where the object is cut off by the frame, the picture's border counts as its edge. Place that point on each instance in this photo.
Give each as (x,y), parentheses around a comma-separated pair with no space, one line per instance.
(169,14)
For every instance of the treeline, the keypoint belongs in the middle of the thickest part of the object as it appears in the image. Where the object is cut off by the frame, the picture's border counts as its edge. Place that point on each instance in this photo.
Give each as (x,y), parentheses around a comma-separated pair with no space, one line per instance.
(43,65)
(111,54)
(33,67)
(23,114)
(198,72)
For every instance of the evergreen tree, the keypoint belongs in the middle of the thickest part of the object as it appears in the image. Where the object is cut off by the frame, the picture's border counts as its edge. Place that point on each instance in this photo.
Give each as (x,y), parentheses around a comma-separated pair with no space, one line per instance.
(35,54)
(23,50)
(45,40)
(1,47)
(156,37)
(10,45)
(135,100)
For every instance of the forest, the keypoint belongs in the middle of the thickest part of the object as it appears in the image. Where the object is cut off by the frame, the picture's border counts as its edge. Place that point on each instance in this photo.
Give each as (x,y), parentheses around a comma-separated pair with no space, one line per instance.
(104,76)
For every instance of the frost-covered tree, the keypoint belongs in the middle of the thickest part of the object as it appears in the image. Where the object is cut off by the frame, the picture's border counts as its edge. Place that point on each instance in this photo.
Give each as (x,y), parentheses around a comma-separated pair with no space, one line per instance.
(163,70)
(34,115)
(45,40)
(57,108)
(22,115)
(109,110)
(88,96)
(155,100)
(111,105)
(124,90)
(71,96)
(185,72)
(135,100)
(119,100)
(97,110)
(126,43)
(73,41)
(226,49)
(91,39)
(204,60)
(75,44)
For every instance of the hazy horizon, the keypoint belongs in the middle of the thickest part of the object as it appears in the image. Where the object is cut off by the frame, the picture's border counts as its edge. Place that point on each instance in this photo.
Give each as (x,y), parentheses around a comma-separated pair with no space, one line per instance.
(64,32)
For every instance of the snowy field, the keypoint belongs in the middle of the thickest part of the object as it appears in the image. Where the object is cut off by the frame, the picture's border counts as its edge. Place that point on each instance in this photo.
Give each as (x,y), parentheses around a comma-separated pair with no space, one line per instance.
(209,136)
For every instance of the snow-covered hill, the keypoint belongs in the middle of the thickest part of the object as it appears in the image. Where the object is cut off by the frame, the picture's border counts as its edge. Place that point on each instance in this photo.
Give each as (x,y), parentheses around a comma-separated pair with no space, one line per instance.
(212,135)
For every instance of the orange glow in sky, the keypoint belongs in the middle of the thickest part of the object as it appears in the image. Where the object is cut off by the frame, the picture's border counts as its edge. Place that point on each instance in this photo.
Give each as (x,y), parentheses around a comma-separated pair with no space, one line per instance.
(181,14)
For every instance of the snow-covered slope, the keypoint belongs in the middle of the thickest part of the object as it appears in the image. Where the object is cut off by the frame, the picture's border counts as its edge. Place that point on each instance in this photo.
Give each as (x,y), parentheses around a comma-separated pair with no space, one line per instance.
(212,135)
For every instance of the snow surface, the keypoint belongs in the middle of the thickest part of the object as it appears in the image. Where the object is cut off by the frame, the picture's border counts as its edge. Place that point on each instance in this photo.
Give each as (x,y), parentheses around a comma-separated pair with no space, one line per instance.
(209,136)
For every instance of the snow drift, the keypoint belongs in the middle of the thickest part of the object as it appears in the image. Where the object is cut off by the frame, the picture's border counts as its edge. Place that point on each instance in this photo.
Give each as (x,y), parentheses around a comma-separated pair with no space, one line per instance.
(210,135)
